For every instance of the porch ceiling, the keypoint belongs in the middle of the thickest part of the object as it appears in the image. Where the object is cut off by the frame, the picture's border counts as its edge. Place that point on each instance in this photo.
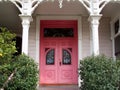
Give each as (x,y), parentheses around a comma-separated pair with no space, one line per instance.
(9,16)
(9,12)
(68,8)
(111,10)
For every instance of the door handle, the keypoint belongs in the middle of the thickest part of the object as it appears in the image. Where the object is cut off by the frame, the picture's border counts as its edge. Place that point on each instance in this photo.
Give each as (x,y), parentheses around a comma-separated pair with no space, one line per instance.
(60,63)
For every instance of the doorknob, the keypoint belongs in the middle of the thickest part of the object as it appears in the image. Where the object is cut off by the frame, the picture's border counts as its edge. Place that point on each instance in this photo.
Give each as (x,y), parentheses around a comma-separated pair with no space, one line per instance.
(60,63)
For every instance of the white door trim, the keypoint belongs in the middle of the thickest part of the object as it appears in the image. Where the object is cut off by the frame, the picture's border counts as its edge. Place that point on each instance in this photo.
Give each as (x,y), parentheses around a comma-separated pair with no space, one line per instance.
(59,17)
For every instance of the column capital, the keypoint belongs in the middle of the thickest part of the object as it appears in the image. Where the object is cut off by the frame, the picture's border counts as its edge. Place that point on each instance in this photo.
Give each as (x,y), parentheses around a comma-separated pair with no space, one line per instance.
(94,19)
(26,19)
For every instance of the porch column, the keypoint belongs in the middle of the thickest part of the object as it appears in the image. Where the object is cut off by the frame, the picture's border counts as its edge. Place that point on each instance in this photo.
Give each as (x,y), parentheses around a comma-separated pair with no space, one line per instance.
(26,19)
(94,24)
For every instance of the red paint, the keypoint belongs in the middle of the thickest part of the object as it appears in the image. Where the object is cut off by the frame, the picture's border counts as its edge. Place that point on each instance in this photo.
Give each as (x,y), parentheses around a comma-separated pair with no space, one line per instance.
(58,74)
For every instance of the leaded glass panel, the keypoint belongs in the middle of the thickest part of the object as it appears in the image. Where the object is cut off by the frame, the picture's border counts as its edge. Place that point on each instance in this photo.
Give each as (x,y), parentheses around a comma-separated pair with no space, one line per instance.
(50,57)
(58,32)
(66,57)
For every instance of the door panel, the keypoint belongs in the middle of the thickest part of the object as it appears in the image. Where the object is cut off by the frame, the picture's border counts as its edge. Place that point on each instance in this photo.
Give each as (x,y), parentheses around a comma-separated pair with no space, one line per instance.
(48,63)
(58,64)
(68,67)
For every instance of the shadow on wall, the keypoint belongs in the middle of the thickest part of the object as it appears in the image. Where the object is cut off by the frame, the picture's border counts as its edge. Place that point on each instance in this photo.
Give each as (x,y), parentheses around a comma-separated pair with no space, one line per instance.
(18,45)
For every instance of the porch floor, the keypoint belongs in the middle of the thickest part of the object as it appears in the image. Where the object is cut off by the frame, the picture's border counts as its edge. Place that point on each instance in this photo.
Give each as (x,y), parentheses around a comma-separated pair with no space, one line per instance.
(65,87)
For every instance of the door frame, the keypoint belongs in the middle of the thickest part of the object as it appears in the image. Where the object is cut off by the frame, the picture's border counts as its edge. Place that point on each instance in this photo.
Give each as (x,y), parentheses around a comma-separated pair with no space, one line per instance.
(74,39)
(59,17)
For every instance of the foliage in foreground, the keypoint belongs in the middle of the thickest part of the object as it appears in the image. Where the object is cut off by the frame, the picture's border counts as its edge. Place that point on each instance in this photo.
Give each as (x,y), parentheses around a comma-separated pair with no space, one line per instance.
(25,77)
(7,45)
(99,73)
(7,49)
(23,68)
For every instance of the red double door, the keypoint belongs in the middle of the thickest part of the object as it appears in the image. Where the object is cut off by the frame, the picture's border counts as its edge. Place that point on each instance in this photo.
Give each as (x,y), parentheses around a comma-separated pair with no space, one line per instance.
(58,52)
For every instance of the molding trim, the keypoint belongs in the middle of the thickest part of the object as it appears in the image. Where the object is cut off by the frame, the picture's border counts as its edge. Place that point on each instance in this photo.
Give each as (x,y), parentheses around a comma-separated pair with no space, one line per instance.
(113,35)
(79,18)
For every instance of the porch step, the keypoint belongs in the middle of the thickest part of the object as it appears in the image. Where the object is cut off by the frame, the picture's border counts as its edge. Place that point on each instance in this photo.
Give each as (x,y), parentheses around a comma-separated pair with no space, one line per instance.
(66,87)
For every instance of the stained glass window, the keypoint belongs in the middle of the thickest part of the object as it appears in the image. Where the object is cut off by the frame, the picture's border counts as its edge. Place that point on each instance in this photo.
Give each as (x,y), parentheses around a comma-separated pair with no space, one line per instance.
(58,32)
(66,57)
(50,57)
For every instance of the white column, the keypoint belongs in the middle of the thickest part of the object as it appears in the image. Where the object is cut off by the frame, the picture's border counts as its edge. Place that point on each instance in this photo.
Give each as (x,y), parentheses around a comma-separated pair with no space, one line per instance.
(113,40)
(94,24)
(26,19)
(79,46)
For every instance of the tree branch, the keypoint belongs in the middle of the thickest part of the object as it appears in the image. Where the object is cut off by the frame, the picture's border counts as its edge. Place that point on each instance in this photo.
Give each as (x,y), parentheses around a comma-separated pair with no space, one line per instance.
(9,79)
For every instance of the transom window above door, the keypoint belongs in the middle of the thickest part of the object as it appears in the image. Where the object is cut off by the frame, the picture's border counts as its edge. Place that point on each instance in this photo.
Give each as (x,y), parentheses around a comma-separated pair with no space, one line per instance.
(58,32)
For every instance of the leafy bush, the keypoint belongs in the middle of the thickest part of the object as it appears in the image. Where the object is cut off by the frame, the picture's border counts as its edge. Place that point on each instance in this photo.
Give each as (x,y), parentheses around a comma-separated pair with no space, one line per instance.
(25,77)
(7,49)
(99,73)
(22,70)
(7,45)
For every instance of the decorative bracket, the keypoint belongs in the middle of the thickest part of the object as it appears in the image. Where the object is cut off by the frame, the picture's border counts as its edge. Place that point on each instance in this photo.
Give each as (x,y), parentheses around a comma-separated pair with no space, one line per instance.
(102,4)
(27,7)
(86,4)
(60,3)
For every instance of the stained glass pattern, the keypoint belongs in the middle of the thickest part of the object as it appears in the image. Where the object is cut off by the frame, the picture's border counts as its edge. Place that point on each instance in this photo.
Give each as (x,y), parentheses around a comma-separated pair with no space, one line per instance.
(50,57)
(66,57)
(58,32)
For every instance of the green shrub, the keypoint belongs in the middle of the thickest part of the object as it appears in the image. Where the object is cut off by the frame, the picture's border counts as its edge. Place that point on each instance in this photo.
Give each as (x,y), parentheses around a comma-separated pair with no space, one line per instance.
(24,68)
(7,49)
(99,73)
(26,75)
(7,45)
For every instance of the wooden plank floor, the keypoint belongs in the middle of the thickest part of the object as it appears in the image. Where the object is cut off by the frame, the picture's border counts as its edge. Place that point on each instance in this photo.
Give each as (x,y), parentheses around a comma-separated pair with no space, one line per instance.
(66,87)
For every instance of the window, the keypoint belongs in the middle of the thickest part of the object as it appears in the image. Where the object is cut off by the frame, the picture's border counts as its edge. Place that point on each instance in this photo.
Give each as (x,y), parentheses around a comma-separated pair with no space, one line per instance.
(116,26)
(117,39)
(50,57)
(117,47)
(66,57)
(58,32)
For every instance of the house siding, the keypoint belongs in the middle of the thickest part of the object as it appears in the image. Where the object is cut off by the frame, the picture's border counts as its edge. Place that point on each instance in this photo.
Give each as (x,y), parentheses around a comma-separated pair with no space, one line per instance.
(85,37)
(105,42)
(32,40)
